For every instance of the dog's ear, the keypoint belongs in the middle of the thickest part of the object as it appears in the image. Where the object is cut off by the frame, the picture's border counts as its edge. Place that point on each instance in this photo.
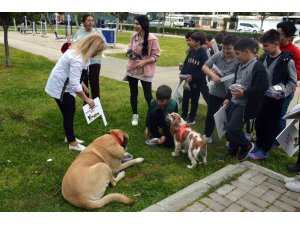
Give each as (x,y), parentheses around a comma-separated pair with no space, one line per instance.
(125,142)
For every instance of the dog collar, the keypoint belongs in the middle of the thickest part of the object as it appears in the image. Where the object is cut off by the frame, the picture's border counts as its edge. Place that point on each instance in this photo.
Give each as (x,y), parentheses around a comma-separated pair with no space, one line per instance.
(181,130)
(117,138)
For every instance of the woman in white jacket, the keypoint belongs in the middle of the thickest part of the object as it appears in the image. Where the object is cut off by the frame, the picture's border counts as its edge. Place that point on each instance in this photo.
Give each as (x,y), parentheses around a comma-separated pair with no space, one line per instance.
(64,82)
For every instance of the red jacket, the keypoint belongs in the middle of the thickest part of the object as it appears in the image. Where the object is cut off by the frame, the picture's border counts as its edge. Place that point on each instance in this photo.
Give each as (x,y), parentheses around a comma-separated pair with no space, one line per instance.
(290,47)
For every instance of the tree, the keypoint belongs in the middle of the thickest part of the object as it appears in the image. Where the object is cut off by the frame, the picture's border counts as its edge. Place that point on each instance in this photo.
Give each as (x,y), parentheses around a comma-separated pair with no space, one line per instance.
(6,20)
(263,16)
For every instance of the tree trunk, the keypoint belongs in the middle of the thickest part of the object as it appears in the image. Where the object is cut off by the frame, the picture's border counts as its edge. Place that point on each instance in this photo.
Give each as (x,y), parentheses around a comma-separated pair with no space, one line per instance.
(117,23)
(6,46)
(76,21)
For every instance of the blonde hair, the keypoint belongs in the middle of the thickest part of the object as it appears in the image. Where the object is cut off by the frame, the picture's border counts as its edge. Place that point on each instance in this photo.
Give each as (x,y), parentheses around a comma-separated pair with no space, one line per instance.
(89,46)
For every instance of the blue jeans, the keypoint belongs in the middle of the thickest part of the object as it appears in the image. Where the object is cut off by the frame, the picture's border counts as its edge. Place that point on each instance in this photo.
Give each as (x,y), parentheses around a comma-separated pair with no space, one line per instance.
(284,108)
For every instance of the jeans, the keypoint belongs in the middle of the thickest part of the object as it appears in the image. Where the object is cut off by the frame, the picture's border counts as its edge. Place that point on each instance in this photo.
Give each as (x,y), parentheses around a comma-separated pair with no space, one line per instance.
(156,120)
(284,108)
(214,104)
(235,134)
(93,79)
(133,85)
(67,108)
(194,95)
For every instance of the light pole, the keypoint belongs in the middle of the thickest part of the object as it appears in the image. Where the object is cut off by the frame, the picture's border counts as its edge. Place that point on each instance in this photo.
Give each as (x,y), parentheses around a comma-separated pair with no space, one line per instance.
(68,27)
(56,22)
(25,17)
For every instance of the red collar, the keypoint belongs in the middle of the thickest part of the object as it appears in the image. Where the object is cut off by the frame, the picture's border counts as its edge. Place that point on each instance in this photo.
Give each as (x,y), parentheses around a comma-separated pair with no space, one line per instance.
(117,138)
(181,131)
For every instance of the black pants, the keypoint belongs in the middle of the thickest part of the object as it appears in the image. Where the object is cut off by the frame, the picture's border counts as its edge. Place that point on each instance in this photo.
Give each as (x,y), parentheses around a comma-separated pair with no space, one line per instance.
(235,134)
(194,95)
(157,120)
(298,160)
(93,78)
(67,108)
(214,104)
(133,85)
(266,123)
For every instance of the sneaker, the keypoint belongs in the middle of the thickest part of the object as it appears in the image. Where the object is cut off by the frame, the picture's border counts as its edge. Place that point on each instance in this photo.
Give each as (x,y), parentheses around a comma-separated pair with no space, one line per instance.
(78,140)
(127,156)
(256,149)
(228,156)
(293,186)
(77,147)
(135,120)
(153,142)
(292,179)
(244,152)
(258,155)
(294,168)
(190,122)
(208,139)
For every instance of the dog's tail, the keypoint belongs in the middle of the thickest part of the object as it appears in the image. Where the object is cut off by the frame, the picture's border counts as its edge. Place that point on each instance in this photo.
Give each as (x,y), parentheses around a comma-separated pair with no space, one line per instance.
(107,199)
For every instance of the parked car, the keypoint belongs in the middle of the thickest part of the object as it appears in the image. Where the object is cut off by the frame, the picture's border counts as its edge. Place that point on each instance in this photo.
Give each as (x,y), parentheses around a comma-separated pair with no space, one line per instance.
(248,27)
(296,41)
(189,23)
(156,23)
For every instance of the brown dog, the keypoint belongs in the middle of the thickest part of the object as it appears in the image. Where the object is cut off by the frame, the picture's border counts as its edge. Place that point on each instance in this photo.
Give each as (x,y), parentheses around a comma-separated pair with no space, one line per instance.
(187,140)
(87,178)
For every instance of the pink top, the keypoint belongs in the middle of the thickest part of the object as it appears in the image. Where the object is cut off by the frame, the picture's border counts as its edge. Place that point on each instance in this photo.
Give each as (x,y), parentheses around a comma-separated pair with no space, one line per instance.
(147,72)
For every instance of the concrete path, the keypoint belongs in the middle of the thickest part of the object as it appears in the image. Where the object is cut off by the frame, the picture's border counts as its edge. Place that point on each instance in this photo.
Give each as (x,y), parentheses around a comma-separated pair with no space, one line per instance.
(111,67)
(244,187)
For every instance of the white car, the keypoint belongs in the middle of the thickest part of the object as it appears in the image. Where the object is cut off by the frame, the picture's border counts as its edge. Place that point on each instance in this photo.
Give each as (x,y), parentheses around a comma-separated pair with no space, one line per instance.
(156,23)
(248,27)
(296,41)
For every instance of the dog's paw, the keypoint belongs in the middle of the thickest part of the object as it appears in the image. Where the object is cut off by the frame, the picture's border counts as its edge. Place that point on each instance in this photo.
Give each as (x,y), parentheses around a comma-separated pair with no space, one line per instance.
(174,154)
(190,166)
(139,160)
(121,175)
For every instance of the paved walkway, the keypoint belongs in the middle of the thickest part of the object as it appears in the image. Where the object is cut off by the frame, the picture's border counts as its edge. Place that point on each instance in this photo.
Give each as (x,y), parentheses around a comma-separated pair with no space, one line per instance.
(241,187)
(244,187)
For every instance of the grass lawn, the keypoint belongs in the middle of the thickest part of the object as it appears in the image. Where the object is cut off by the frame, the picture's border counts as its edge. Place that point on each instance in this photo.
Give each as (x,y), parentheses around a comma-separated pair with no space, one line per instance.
(172,49)
(31,132)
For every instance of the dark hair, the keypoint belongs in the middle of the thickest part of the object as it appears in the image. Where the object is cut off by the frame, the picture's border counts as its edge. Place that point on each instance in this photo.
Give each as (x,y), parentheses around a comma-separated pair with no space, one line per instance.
(189,34)
(85,16)
(246,43)
(144,22)
(219,38)
(199,36)
(209,37)
(270,36)
(287,27)
(230,40)
(163,92)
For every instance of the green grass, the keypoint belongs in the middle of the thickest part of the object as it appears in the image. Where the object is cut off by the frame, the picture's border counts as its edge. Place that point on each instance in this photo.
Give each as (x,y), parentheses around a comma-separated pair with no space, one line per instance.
(31,132)
(172,49)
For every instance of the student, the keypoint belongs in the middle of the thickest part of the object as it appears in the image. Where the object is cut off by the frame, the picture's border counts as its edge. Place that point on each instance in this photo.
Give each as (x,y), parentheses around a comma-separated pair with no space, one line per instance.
(287,30)
(217,45)
(92,74)
(244,98)
(196,78)
(64,82)
(159,108)
(226,63)
(143,53)
(282,72)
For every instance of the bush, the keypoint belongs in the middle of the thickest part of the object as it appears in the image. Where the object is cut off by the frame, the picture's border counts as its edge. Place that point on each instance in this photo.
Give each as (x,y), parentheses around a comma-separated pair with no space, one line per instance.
(183,31)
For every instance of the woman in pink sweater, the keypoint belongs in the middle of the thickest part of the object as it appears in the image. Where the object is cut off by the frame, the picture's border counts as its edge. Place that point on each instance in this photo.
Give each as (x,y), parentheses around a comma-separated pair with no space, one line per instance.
(143,52)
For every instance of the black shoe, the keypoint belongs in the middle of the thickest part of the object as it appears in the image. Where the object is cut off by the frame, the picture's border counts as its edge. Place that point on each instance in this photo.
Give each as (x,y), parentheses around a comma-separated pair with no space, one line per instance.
(228,156)
(294,168)
(245,151)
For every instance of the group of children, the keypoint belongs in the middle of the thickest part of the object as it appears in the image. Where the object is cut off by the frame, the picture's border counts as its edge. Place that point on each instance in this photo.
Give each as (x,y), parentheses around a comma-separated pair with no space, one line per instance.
(248,95)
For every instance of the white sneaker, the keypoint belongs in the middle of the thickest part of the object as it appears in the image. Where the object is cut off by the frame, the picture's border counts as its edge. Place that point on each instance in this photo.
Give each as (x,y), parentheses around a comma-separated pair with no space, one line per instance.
(135,120)
(208,139)
(77,147)
(78,140)
(293,186)
(292,179)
